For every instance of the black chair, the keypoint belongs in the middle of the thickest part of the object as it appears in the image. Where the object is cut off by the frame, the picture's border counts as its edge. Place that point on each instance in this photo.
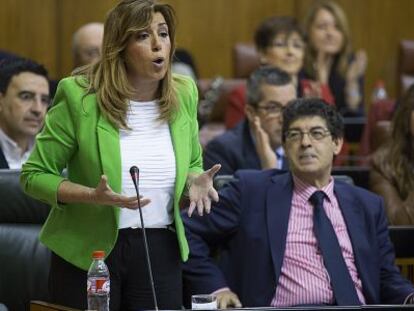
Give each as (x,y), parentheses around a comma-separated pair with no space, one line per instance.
(24,262)
(403,239)
(221,180)
(359,174)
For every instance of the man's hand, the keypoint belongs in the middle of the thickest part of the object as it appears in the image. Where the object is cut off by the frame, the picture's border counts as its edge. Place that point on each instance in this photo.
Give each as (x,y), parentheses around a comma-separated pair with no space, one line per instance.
(227,299)
(264,150)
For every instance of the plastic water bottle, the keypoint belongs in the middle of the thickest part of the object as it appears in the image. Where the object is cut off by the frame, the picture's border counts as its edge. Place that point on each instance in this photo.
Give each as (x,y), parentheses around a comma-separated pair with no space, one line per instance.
(98,283)
(379,92)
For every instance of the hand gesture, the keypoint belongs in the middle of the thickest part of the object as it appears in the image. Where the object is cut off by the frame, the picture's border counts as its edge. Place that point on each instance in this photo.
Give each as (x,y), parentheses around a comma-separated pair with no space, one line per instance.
(104,195)
(264,150)
(357,67)
(226,299)
(201,191)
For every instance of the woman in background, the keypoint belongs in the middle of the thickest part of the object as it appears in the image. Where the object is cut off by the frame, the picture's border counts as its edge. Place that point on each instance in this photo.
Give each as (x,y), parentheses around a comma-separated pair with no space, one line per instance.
(330,60)
(392,172)
(126,109)
(280,43)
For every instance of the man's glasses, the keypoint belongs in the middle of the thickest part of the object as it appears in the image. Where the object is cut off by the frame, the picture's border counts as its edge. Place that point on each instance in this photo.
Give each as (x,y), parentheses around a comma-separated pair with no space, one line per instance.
(313,134)
(271,108)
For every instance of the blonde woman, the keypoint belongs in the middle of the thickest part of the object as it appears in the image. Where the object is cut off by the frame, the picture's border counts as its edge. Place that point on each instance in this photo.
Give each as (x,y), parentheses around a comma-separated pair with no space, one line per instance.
(329,58)
(126,109)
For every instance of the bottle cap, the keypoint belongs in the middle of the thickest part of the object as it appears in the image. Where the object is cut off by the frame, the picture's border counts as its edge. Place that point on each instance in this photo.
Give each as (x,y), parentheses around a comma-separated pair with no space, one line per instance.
(98,254)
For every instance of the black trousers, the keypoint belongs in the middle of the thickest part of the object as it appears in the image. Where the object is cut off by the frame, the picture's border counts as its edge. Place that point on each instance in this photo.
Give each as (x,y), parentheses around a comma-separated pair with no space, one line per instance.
(130,286)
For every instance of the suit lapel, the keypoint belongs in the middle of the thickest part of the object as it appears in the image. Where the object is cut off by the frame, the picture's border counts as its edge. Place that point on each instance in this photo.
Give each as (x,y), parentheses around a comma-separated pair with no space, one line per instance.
(355,223)
(278,205)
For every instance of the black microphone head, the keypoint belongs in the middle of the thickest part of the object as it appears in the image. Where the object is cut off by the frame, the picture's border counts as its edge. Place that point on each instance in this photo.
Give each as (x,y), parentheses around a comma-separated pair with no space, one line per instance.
(134,170)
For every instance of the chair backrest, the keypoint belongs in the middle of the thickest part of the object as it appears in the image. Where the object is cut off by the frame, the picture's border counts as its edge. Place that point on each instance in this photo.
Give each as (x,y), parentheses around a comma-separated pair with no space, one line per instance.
(359,174)
(245,60)
(221,180)
(219,109)
(344,178)
(15,205)
(24,261)
(402,238)
(405,65)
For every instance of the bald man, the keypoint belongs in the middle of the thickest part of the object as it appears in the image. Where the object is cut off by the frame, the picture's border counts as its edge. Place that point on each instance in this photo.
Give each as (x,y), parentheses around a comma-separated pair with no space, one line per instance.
(87,44)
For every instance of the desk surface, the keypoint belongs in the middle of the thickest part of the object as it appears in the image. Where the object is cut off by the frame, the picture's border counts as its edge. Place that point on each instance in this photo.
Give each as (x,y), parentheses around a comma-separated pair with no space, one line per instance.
(42,306)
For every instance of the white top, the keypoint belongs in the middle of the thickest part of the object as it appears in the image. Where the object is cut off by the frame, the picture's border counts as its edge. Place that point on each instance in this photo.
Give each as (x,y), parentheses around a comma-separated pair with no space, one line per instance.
(148,146)
(12,152)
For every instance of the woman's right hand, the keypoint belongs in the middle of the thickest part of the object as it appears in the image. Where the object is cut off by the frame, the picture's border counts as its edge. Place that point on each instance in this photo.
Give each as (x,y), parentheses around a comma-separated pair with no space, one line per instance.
(104,195)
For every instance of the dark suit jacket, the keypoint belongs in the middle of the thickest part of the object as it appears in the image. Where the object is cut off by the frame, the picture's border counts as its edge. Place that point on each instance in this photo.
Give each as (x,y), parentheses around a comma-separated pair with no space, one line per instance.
(250,224)
(3,161)
(234,150)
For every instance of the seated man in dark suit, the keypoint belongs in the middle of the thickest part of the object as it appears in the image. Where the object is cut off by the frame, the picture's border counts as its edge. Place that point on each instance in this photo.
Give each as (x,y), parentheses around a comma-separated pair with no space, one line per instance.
(255,143)
(24,99)
(299,237)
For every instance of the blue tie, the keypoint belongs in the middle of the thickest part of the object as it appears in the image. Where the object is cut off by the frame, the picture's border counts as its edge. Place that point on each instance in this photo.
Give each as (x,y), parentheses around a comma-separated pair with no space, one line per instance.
(341,281)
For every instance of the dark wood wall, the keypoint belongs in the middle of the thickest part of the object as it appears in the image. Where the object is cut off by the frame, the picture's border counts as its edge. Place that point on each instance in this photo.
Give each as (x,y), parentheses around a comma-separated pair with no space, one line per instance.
(42,29)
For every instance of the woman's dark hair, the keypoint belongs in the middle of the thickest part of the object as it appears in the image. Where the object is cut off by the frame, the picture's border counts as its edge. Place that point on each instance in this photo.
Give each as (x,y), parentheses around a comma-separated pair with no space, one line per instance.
(313,107)
(271,27)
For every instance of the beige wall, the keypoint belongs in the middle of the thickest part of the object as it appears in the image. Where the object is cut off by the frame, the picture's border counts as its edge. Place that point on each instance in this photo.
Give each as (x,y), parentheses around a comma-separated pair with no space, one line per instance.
(42,29)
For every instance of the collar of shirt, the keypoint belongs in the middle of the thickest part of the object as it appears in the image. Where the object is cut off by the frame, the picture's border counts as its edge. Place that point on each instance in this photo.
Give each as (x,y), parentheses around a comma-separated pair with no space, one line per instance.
(305,190)
(12,152)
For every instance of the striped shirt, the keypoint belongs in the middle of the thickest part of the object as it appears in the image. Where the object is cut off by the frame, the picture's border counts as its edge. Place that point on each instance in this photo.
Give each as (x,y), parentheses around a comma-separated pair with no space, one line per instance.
(148,145)
(304,279)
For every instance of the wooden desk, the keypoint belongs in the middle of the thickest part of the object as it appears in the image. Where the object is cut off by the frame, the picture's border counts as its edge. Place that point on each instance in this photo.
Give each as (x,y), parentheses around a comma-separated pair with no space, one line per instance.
(44,306)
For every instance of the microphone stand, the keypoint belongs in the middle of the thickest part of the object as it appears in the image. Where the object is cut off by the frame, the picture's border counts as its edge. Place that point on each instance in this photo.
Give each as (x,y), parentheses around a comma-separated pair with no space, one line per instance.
(134,173)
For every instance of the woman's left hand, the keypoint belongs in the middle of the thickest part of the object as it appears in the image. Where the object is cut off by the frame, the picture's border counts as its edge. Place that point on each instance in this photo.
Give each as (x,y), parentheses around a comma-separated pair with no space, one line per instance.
(201,191)
(357,67)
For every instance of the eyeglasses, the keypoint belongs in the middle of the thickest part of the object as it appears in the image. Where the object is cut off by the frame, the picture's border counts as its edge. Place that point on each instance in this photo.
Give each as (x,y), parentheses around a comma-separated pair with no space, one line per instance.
(313,134)
(271,107)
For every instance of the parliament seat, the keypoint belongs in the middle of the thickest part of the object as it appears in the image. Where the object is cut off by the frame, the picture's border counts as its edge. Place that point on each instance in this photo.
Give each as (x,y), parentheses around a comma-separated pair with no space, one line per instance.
(403,239)
(24,262)
(245,60)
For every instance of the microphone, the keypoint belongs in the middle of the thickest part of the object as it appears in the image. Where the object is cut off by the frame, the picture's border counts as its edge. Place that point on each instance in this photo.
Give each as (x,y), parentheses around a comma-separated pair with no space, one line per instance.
(134,171)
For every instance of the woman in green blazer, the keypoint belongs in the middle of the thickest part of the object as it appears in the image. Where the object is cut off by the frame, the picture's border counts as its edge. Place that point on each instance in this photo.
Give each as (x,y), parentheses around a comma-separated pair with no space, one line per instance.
(90,131)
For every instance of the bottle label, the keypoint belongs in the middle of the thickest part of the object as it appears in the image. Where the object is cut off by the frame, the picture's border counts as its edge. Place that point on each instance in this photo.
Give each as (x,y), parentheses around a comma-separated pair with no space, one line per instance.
(98,285)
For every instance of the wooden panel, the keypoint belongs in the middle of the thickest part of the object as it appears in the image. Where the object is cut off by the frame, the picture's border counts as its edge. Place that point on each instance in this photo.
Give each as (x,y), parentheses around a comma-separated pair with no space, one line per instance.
(73,14)
(210,28)
(27,28)
(42,29)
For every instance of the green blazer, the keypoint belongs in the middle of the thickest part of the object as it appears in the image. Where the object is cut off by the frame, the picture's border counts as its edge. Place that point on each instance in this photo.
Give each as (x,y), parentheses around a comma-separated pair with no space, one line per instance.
(78,137)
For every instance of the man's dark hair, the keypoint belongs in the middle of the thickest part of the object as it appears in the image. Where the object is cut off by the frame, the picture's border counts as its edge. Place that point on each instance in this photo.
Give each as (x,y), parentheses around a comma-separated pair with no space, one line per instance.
(264,75)
(271,27)
(11,68)
(313,107)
